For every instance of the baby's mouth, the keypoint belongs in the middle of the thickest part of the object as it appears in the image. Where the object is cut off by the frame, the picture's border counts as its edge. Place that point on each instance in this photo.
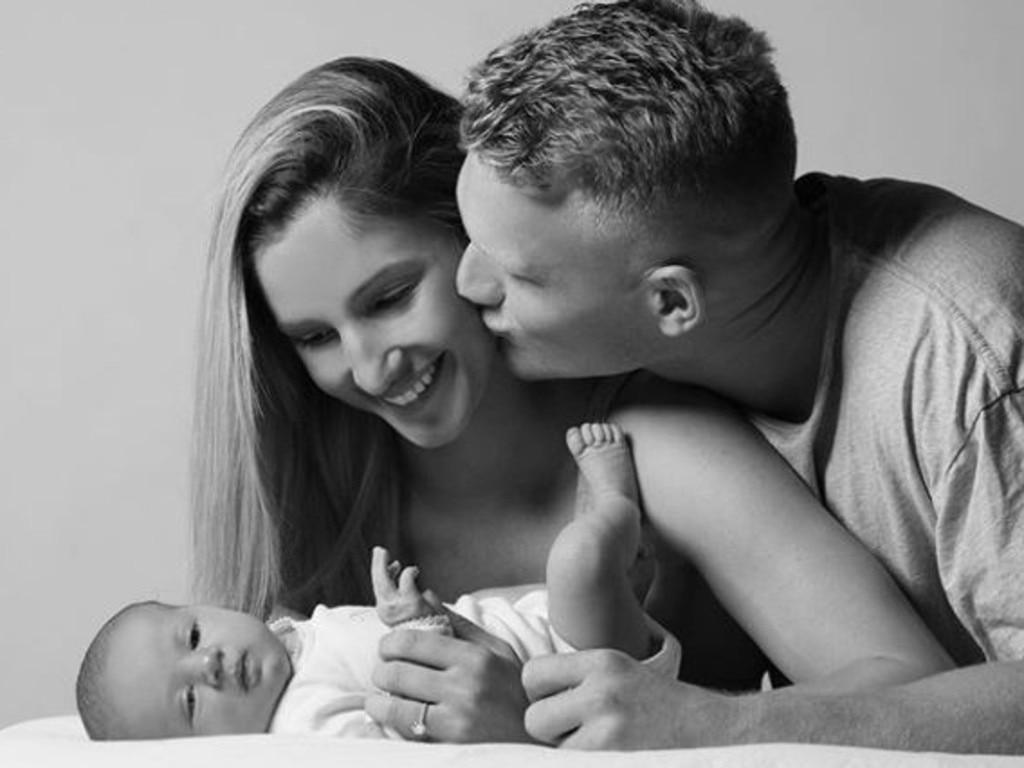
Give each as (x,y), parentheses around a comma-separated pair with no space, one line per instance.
(243,673)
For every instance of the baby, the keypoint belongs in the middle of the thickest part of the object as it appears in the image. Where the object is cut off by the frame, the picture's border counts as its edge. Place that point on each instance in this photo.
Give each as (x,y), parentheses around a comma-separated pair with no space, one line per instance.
(161,671)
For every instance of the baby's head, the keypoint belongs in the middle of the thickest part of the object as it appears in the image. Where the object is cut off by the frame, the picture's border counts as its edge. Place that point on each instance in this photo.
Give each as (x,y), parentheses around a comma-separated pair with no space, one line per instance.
(157,671)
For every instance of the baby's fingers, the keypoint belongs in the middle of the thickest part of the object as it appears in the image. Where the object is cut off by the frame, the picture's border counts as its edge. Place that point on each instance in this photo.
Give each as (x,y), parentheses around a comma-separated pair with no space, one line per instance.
(381,575)
(407,583)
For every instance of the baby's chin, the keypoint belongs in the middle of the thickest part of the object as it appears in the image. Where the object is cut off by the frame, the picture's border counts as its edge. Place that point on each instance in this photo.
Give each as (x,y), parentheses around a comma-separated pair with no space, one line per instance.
(278,673)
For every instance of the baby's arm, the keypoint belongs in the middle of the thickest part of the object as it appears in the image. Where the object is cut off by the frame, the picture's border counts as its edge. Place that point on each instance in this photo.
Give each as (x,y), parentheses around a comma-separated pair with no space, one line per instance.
(399,599)
(400,602)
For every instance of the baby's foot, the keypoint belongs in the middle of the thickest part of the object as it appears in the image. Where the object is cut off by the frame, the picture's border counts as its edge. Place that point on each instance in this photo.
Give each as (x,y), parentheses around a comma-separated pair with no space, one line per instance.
(603,456)
(590,559)
(607,500)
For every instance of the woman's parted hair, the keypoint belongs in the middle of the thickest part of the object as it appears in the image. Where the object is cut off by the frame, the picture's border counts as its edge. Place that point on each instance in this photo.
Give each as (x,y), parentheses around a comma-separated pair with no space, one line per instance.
(635,102)
(290,487)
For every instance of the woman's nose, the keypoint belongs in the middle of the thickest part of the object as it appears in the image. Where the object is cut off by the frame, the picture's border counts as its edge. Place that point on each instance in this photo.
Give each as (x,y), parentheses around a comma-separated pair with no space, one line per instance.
(374,370)
(475,279)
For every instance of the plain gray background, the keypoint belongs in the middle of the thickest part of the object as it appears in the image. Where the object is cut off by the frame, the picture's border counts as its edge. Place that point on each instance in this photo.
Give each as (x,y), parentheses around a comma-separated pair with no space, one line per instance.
(116,117)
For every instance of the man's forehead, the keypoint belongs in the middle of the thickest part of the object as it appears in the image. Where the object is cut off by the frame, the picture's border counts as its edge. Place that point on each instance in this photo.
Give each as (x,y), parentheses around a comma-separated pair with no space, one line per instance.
(479,178)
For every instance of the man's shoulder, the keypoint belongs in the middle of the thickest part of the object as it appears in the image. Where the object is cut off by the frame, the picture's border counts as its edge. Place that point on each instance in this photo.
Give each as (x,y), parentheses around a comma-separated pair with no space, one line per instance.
(922,236)
(886,211)
(931,282)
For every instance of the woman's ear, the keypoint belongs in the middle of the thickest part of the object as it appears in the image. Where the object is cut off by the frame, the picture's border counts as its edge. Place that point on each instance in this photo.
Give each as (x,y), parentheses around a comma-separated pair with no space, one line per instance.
(676,298)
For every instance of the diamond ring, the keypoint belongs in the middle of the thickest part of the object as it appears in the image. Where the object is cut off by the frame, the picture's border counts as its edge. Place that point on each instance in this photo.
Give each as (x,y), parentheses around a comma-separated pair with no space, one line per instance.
(419,725)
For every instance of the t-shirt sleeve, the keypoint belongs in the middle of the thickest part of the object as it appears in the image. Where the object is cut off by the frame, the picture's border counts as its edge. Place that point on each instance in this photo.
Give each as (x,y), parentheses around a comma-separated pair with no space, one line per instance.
(980,529)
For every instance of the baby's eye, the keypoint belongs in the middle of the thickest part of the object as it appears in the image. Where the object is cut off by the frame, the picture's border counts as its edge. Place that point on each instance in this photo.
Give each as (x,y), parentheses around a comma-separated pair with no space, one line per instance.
(194,635)
(525,279)
(190,702)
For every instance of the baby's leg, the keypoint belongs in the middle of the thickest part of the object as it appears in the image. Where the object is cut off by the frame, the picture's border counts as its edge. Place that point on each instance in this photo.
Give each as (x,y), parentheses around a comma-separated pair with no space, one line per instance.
(591,599)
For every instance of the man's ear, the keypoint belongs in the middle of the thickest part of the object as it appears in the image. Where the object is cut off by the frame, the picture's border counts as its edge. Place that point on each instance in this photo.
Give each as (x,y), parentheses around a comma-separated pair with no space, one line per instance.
(675,297)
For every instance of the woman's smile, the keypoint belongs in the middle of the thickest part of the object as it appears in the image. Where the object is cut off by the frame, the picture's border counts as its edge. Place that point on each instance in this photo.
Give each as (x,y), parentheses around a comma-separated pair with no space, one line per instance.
(372,312)
(408,392)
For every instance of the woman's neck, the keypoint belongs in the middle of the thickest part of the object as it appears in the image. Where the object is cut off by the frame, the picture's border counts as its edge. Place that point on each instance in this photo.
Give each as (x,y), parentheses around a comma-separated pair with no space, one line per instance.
(513,446)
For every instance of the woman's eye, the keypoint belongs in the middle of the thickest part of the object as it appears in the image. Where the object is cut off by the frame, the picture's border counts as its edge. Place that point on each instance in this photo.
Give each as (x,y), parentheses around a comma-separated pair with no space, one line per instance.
(393,297)
(314,339)
(194,636)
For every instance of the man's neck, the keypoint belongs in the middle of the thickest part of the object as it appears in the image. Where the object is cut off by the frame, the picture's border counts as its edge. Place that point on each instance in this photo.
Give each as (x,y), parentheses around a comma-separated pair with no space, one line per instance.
(763,346)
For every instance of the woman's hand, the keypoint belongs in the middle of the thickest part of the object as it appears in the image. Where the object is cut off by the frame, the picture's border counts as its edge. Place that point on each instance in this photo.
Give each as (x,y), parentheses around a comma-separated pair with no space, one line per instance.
(471,685)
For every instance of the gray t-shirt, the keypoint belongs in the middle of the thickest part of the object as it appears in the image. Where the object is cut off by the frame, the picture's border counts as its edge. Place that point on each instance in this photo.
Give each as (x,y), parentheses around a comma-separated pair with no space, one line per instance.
(916,439)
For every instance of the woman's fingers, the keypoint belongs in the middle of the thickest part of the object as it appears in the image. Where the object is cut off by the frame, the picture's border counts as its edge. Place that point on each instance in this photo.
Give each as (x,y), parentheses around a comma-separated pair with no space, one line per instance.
(431,649)
(474,694)
(465,629)
(410,681)
(415,720)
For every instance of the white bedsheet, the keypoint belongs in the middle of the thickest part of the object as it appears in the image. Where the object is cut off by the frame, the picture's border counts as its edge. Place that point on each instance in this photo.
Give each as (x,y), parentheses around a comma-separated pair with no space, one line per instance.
(60,742)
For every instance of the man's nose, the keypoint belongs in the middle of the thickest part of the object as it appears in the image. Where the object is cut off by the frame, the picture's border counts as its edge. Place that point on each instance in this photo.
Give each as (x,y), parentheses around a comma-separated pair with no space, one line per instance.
(475,279)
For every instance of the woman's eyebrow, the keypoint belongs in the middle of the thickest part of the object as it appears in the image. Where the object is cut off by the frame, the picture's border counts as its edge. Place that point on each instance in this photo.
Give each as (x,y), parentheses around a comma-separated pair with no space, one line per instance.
(382,277)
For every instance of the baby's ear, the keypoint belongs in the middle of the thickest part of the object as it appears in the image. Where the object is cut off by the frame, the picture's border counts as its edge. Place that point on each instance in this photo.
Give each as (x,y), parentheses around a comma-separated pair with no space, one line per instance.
(675,296)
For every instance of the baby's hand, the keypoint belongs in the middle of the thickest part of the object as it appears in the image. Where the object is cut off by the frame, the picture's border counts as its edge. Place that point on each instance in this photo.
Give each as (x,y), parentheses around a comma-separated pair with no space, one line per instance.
(394,587)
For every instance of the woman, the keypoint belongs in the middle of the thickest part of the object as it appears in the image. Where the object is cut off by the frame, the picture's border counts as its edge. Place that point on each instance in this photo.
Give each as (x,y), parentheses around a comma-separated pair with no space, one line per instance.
(348,397)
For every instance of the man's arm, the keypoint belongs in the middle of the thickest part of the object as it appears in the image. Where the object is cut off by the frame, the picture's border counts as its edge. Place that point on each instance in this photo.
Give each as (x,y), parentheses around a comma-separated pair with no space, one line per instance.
(605,700)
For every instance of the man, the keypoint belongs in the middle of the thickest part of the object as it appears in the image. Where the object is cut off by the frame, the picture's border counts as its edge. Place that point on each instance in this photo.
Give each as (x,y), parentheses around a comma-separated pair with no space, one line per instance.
(630,199)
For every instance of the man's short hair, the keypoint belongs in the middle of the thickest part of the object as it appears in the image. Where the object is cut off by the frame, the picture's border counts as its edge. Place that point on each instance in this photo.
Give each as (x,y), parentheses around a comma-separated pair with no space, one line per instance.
(635,102)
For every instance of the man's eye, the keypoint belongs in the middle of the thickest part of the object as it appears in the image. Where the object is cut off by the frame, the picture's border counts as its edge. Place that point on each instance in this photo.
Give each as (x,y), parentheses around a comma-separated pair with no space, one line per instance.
(194,636)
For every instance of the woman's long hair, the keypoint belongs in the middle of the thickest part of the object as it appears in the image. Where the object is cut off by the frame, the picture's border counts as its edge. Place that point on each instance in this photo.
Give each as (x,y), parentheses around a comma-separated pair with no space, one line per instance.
(291,487)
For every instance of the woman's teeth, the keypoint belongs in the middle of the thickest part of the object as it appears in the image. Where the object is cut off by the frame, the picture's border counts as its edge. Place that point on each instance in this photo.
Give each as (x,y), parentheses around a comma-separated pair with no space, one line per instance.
(412,394)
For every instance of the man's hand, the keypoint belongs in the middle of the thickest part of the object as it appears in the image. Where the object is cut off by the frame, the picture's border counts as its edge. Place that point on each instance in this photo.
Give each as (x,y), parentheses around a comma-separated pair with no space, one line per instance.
(605,699)
(472,686)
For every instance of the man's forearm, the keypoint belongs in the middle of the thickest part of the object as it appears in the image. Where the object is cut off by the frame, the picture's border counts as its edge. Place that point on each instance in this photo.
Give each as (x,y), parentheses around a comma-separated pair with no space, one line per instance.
(974,709)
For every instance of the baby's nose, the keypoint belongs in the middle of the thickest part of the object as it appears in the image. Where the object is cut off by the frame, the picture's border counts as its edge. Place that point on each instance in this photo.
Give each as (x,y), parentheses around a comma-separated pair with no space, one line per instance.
(210,665)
